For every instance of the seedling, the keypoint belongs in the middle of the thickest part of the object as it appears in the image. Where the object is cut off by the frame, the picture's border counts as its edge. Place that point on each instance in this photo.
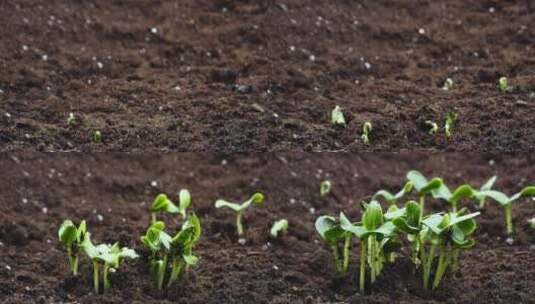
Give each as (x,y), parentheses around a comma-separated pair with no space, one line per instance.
(463,191)
(503,84)
(448,84)
(106,258)
(72,238)
(330,230)
(71,120)
(97,136)
(172,256)
(256,198)
(325,187)
(423,186)
(278,227)
(378,240)
(409,221)
(447,234)
(433,127)
(451,118)
(393,198)
(337,116)
(366,129)
(163,204)
(507,202)
(485,187)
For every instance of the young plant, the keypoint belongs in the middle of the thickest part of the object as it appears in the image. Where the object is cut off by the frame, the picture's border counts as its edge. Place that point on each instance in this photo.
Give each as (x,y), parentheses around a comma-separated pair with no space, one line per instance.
(451,118)
(163,204)
(485,187)
(278,227)
(171,256)
(330,230)
(97,136)
(393,198)
(503,84)
(337,116)
(106,258)
(378,241)
(366,130)
(507,203)
(423,186)
(408,220)
(443,192)
(71,120)
(72,238)
(442,237)
(433,127)
(448,84)
(325,187)
(256,198)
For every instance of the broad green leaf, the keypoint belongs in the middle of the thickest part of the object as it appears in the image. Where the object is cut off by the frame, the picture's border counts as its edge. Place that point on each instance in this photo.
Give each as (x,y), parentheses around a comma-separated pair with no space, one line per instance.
(463,191)
(418,180)
(163,203)
(67,233)
(324,223)
(455,219)
(497,196)
(346,225)
(433,222)
(488,185)
(435,183)
(325,187)
(527,191)
(278,226)
(373,216)
(256,198)
(337,116)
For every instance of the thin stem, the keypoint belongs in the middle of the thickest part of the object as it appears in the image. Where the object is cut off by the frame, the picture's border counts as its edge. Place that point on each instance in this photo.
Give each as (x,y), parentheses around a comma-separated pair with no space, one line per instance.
(239,226)
(455,260)
(162,267)
(422,206)
(362,279)
(336,255)
(371,256)
(454,207)
(347,246)
(175,273)
(428,263)
(105,278)
(482,203)
(73,261)
(153,216)
(509,218)
(442,266)
(95,277)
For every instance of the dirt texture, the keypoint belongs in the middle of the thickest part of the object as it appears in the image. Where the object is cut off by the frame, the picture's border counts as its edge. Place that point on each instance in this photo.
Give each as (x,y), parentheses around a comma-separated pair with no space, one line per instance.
(264,75)
(113,191)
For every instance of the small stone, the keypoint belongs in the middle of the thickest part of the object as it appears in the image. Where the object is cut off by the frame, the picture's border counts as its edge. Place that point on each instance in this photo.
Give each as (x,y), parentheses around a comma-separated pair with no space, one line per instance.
(100,218)
(275,267)
(154,183)
(491,162)
(312,210)
(25,48)
(44,210)
(8,267)
(44,57)
(154,30)
(100,65)
(24,200)
(242,241)
(509,241)
(177,88)
(492,9)
(367,65)
(312,58)
(292,48)
(421,31)
(224,162)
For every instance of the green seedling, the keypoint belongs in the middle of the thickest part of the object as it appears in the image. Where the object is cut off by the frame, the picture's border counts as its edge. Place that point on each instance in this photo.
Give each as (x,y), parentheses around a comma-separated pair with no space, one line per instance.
(451,118)
(256,198)
(106,258)
(393,198)
(423,186)
(463,191)
(485,187)
(171,257)
(442,237)
(366,130)
(330,230)
(503,84)
(507,202)
(97,136)
(408,220)
(448,84)
(72,238)
(71,120)
(378,241)
(337,116)
(163,204)
(325,187)
(433,127)
(278,227)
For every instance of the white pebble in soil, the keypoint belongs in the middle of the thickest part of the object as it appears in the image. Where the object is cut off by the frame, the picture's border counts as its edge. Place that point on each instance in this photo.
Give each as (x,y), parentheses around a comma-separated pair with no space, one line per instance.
(154,184)
(100,218)
(242,241)
(44,210)
(509,241)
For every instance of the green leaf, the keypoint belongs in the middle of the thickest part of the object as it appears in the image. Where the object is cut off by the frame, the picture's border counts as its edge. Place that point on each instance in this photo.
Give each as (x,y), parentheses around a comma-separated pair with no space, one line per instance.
(184,201)
(224,204)
(191,260)
(278,226)
(435,183)
(163,203)
(325,187)
(417,179)
(497,196)
(463,191)
(373,216)
(527,191)
(337,116)
(488,185)
(256,198)
(67,233)
(346,225)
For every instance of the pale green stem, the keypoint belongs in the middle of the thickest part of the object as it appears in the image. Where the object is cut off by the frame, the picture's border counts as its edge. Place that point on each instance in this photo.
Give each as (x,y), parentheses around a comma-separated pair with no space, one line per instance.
(371,256)
(428,263)
(239,225)
(347,246)
(176,271)
(95,277)
(362,281)
(73,261)
(455,260)
(509,218)
(154,219)
(336,255)
(482,203)
(105,278)
(422,206)
(442,266)
(161,272)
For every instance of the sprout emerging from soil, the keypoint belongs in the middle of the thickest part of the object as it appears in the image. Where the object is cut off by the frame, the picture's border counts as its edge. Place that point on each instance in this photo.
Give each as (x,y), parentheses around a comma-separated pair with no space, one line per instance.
(448,84)
(507,203)
(485,187)
(97,136)
(172,256)
(71,120)
(333,234)
(433,127)
(72,238)
(278,227)
(393,198)
(163,203)
(256,198)
(366,129)
(451,118)
(106,258)
(337,116)
(503,84)
(325,187)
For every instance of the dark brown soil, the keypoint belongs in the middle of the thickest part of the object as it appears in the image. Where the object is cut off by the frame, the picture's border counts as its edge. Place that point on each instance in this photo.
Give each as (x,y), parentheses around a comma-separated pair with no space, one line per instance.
(297,268)
(242,88)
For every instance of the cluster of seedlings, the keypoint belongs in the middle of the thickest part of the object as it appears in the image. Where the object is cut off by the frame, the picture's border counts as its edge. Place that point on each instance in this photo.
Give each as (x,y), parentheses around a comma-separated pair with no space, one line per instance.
(435,240)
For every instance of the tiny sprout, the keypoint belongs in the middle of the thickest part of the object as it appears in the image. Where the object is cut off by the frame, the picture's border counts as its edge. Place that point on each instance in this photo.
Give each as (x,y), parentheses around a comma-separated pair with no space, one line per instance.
(485,187)
(72,238)
(503,84)
(278,226)
(325,187)
(448,84)
(97,136)
(433,127)
(366,129)
(337,116)
(451,117)
(163,203)
(71,119)
(256,198)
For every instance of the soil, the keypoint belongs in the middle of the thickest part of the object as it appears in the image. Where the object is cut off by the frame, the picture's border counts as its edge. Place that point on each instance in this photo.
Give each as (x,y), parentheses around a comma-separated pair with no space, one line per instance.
(296,268)
(245,75)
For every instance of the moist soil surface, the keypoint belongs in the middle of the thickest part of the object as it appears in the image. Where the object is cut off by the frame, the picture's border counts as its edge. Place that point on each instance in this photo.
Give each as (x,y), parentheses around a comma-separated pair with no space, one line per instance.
(245,75)
(112,192)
